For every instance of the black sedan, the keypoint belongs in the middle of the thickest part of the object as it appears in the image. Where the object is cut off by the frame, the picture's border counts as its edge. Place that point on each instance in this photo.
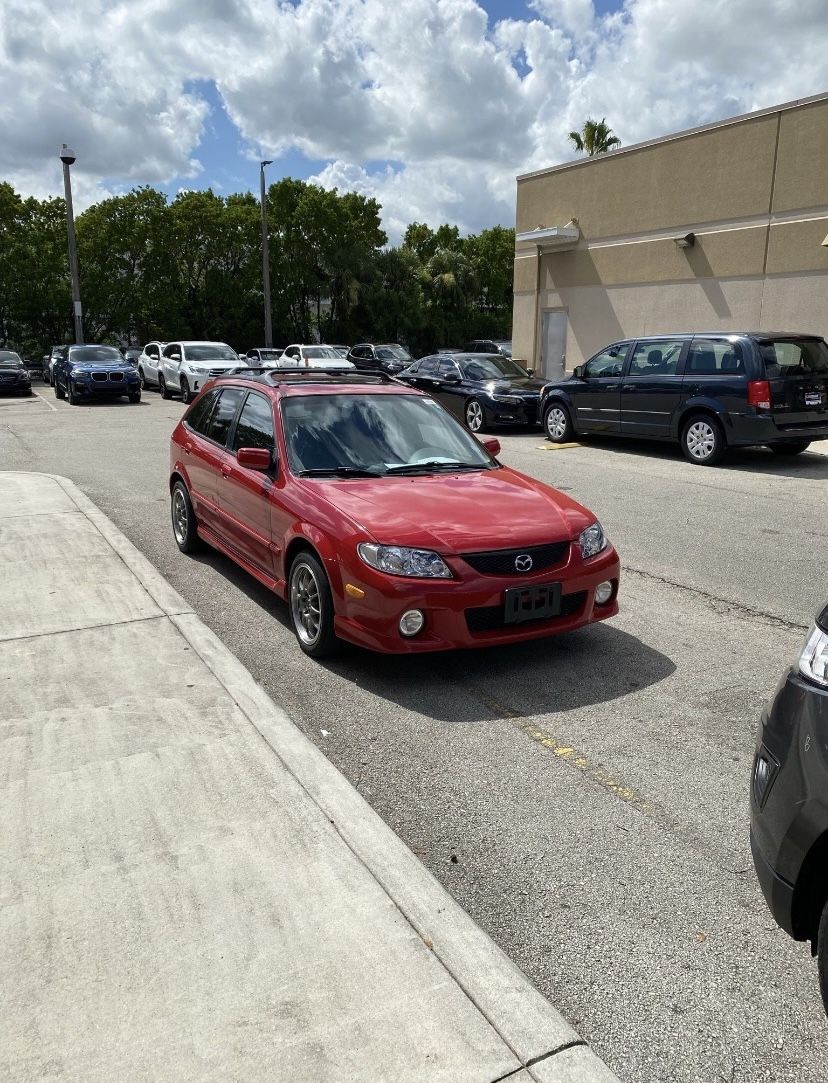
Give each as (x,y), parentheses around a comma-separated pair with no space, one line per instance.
(483,390)
(14,376)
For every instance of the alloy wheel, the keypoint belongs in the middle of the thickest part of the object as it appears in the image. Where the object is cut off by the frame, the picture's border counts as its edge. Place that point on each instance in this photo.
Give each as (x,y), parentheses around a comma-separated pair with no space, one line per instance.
(305,604)
(474,415)
(179,516)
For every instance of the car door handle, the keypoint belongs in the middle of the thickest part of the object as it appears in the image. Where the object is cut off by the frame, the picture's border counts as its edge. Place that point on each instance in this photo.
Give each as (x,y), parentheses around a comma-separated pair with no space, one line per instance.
(226,471)
(188,447)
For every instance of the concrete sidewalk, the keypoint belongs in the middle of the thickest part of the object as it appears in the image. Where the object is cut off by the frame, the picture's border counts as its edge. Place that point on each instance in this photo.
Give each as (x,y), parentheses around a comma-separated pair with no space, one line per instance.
(188,888)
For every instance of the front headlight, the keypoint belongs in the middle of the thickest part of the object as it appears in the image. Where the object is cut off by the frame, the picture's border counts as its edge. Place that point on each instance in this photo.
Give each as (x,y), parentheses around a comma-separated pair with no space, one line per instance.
(77,374)
(400,560)
(198,370)
(592,541)
(507,398)
(813,661)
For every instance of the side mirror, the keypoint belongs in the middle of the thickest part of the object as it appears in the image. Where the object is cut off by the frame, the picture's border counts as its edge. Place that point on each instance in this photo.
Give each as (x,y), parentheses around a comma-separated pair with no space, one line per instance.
(579,372)
(454,379)
(254,458)
(531,372)
(491,444)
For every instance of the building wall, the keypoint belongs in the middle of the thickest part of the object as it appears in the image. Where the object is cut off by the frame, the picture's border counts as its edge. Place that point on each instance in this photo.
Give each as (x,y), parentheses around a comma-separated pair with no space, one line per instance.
(755,194)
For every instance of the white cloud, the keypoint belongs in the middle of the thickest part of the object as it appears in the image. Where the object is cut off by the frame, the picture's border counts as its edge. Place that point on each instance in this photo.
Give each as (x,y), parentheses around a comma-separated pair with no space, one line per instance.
(461,106)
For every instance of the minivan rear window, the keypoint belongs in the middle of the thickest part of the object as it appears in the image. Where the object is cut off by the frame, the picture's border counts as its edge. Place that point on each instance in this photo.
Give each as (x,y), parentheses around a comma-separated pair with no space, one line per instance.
(789,356)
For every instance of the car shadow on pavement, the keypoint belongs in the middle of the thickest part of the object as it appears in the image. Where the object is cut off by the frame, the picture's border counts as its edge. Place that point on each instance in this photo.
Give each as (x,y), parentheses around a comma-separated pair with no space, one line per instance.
(756,460)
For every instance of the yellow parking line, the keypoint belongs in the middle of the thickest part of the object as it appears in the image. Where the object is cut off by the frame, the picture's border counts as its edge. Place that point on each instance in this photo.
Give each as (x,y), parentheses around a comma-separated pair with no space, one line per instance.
(557,447)
(562,750)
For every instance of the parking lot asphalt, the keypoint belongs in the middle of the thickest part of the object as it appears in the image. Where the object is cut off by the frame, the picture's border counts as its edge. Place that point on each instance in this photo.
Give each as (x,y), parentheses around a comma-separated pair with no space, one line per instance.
(584,799)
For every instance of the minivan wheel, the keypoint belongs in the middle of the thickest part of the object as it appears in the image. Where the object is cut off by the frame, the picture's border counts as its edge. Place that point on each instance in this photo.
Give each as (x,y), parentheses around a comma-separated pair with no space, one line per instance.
(558,424)
(311,606)
(183,519)
(702,440)
(790,449)
(822,956)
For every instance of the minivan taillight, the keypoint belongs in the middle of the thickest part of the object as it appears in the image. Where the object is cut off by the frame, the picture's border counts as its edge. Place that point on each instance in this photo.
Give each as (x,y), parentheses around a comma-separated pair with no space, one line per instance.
(759,394)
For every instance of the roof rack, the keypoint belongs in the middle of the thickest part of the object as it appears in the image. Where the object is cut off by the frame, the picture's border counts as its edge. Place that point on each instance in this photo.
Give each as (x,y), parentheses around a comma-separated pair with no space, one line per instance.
(308,375)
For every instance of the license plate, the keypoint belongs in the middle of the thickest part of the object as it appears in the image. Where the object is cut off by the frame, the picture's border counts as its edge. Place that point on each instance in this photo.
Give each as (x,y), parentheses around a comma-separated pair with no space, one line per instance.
(813,398)
(532,603)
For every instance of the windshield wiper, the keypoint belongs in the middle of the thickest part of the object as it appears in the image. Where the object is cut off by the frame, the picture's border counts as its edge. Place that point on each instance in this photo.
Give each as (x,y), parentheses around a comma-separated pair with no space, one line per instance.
(341,472)
(431,466)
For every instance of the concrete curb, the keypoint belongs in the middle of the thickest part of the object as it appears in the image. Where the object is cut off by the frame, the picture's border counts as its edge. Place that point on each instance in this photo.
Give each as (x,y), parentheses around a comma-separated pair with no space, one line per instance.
(544,1043)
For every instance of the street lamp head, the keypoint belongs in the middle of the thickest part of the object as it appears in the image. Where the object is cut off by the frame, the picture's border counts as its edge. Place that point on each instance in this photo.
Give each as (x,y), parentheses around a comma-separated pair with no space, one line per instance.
(67,155)
(266,163)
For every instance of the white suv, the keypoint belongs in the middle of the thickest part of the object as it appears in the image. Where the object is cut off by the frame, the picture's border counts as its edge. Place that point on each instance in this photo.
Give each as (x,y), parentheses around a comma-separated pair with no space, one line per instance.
(149,364)
(317,356)
(187,366)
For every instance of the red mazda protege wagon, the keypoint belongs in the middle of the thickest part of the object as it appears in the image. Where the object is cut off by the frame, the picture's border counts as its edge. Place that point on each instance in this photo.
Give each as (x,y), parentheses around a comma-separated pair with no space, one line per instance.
(379,518)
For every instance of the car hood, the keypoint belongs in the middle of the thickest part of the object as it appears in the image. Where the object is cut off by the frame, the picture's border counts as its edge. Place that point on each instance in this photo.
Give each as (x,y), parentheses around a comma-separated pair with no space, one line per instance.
(215,363)
(457,513)
(517,384)
(92,366)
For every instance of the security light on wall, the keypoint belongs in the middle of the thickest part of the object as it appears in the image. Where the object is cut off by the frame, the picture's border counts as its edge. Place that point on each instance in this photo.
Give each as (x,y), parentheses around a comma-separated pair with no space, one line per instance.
(687,240)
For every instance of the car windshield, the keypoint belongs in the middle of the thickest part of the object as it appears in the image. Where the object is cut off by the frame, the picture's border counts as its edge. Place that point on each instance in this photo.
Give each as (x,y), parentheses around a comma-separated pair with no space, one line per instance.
(505,347)
(209,351)
(492,368)
(393,353)
(789,356)
(326,353)
(269,355)
(9,357)
(366,435)
(95,355)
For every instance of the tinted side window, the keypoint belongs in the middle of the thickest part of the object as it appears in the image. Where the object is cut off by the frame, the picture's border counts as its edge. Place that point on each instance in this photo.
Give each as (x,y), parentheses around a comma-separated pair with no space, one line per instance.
(199,415)
(171,349)
(428,367)
(708,357)
(448,368)
(607,363)
(222,417)
(255,424)
(151,351)
(656,358)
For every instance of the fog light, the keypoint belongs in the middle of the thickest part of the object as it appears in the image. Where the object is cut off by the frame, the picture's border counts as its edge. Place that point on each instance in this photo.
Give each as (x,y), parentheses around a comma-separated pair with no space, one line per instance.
(603,592)
(764,770)
(411,622)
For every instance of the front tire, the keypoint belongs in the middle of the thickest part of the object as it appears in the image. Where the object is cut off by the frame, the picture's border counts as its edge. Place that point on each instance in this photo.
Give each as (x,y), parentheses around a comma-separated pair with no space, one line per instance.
(790,449)
(475,418)
(135,397)
(822,956)
(185,530)
(142,378)
(186,394)
(311,606)
(703,440)
(557,424)
(71,397)
(58,391)
(162,387)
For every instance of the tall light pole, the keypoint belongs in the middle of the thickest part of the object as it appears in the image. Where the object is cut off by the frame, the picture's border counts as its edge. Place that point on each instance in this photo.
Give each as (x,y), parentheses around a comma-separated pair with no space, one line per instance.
(68,158)
(265,258)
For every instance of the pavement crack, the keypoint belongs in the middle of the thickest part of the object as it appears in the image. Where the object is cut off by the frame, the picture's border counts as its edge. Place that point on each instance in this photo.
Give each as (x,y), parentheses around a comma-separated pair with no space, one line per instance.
(722,605)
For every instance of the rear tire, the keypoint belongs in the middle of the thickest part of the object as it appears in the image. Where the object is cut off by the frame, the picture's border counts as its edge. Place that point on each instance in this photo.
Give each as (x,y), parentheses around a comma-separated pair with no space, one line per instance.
(557,424)
(162,387)
(185,530)
(790,449)
(311,607)
(703,440)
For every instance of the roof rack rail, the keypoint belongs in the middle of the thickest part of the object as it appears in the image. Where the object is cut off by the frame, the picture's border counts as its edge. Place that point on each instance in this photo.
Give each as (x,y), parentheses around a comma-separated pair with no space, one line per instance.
(309,374)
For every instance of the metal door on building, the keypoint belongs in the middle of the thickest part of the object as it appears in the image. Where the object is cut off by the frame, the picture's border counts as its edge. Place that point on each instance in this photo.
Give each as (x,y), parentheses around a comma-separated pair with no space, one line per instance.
(553,343)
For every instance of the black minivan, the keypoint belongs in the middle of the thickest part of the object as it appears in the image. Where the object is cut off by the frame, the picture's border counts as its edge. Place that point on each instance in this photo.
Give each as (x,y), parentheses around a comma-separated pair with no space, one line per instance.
(789,799)
(706,391)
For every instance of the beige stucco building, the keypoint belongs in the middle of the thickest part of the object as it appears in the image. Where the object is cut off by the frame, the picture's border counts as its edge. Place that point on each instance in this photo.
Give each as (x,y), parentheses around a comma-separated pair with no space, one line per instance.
(598,253)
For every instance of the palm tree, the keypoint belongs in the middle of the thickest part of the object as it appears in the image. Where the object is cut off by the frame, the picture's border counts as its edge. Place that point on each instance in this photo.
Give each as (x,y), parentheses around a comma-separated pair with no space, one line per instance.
(595,137)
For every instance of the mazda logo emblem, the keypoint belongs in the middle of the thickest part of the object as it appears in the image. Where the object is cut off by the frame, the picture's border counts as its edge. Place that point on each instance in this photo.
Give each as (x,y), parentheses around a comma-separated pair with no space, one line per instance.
(523,563)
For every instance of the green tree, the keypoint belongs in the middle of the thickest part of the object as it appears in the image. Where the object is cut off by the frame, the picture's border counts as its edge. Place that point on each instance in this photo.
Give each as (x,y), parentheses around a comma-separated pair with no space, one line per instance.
(595,137)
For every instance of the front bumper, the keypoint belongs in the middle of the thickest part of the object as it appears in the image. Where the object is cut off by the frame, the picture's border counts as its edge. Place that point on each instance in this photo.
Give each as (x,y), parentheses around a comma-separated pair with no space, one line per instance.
(15,384)
(792,814)
(522,412)
(105,389)
(464,612)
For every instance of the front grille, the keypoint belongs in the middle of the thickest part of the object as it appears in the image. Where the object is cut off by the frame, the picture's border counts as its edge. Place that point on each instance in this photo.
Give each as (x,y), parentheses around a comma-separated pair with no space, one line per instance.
(217,372)
(502,561)
(7,379)
(99,376)
(490,618)
(116,377)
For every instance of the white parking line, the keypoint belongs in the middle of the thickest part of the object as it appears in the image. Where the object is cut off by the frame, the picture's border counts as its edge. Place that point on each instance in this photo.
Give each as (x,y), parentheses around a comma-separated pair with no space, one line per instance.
(51,405)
